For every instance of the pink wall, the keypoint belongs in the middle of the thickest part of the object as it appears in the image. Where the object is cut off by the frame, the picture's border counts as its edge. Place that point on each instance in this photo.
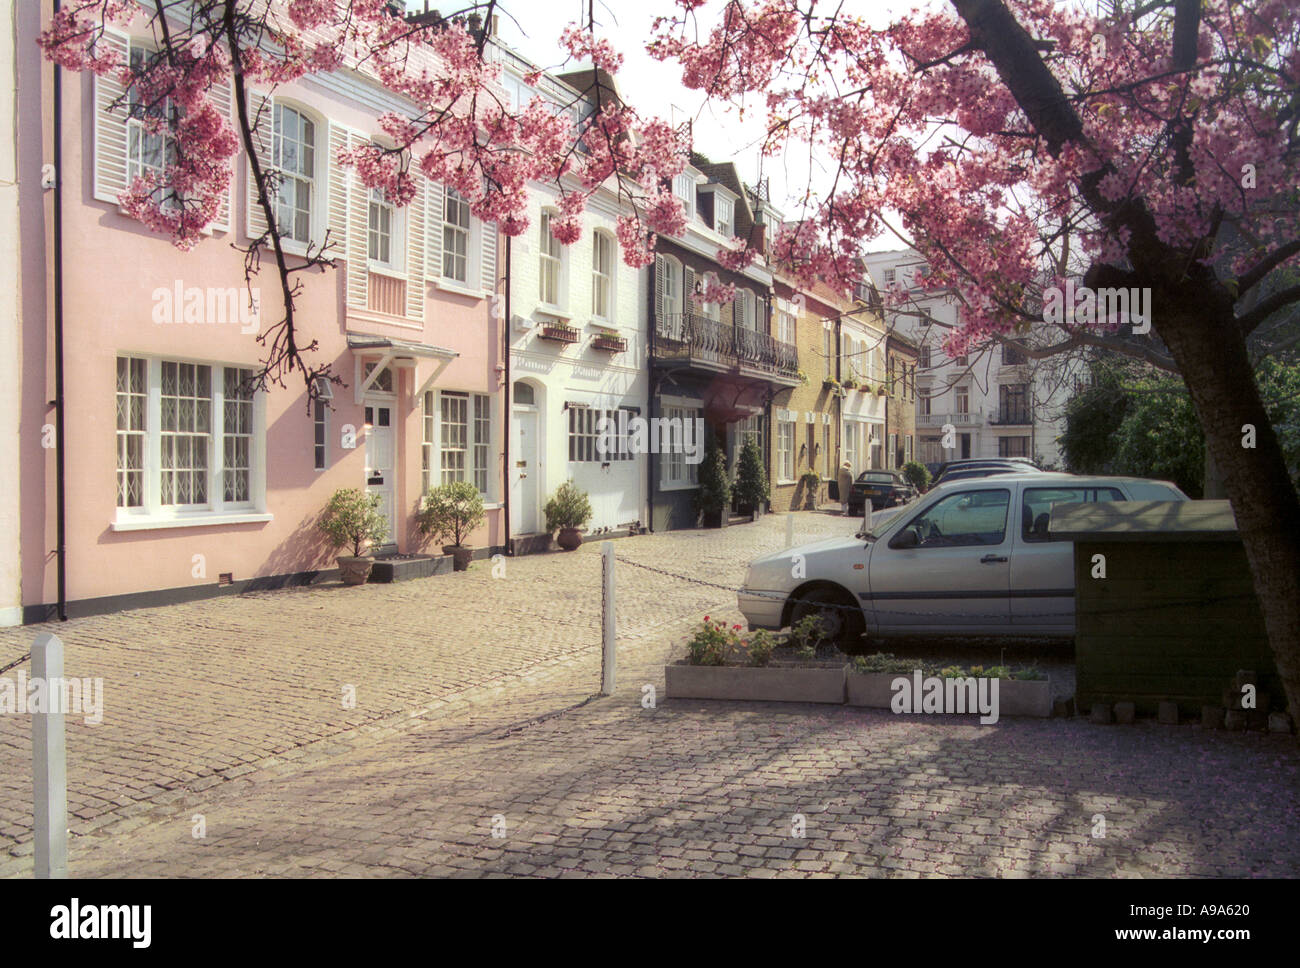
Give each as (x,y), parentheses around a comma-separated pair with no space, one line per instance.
(112,268)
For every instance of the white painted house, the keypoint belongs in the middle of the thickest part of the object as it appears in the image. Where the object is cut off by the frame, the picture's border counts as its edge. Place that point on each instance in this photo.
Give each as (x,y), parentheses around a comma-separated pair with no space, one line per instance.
(998,403)
(578,343)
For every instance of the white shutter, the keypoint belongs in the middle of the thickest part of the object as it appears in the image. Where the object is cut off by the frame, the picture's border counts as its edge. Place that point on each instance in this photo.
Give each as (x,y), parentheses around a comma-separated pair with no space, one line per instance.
(350,217)
(110,125)
(339,139)
(489,252)
(738,305)
(688,290)
(222,97)
(261,115)
(661,268)
(415,248)
(435,194)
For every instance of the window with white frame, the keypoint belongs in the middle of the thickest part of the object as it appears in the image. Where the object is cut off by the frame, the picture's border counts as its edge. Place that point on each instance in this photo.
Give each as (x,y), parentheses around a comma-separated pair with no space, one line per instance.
(748,305)
(382,218)
(826,451)
(518,94)
(320,433)
(961,400)
(785,326)
(907,448)
(148,152)
(828,351)
(187,439)
(669,293)
(684,189)
(459,427)
(551,265)
(852,435)
(724,218)
(674,468)
(293,158)
(711,310)
(602,275)
(923,401)
(455,236)
(877,462)
(785,448)
(587,425)
(892,455)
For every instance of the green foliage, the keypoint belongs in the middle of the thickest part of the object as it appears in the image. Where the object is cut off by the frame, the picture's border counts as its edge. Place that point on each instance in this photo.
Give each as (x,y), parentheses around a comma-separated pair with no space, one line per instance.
(751,488)
(915,473)
(807,634)
(1092,418)
(714,494)
(352,517)
(711,644)
(760,645)
(886,662)
(810,479)
(569,507)
(1160,437)
(451,512)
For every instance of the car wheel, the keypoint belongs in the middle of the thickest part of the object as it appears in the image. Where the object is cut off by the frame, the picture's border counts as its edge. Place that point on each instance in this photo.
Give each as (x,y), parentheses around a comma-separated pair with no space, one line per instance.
(842,620)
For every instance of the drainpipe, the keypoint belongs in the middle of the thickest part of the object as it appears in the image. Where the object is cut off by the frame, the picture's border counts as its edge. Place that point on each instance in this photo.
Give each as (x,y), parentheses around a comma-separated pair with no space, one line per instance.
(651,398)
(60,501)
(509,407)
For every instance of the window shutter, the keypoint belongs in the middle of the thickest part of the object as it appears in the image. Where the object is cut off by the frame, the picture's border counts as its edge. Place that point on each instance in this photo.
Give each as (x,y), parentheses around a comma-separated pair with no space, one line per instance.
(353,213)
(415,249)
(222,96)
(436,195)
(741,320)
(688,290)
(661,268)
(489,230)
(110,125)
(261,115)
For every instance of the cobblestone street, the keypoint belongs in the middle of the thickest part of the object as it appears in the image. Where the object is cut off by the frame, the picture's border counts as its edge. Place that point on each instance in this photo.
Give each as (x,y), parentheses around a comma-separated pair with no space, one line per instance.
(475,715)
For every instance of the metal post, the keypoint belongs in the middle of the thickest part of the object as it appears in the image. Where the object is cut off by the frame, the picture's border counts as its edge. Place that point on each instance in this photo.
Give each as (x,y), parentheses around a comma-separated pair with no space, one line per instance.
(789,530)
(607,618)
(50,762)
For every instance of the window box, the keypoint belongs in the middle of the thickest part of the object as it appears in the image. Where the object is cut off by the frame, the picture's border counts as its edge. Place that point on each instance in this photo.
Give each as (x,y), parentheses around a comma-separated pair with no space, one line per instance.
(559,333)
(610,342)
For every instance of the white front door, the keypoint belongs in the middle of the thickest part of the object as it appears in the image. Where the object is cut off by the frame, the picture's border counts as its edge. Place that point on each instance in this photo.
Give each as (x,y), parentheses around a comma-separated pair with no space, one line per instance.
(526,473)
(381,461)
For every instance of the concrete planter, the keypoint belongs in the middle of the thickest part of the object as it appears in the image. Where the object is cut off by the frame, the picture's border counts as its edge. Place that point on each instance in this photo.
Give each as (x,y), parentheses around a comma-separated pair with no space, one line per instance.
(756,684)
(1016,697)
(461,556)
(355,571)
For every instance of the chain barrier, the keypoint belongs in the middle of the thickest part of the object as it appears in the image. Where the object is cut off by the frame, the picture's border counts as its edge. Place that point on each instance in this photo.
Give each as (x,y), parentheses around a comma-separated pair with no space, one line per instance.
(17,662)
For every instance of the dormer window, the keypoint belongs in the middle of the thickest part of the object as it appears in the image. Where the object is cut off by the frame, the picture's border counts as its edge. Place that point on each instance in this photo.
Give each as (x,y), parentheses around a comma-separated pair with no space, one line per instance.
(684,189)
(724,216)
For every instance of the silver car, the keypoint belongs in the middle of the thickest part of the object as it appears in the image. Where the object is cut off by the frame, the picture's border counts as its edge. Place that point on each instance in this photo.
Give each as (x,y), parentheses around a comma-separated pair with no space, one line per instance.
(970,558)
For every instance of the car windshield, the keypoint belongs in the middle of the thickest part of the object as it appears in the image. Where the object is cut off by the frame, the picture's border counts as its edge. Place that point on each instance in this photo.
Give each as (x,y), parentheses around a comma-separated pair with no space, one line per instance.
(875,478)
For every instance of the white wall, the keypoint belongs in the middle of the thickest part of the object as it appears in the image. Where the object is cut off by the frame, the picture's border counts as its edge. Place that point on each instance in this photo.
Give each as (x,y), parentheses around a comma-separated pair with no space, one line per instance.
(576,372)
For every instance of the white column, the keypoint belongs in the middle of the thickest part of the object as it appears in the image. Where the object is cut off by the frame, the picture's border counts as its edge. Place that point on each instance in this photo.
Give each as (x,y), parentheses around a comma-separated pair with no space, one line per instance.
(49,762)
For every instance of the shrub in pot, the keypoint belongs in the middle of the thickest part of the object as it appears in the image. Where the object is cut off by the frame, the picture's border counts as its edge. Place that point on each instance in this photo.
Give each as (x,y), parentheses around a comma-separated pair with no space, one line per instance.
(568,510)
(451,513)
(352,518)
(751,488)
(812,484)
(713,499)
(916,474)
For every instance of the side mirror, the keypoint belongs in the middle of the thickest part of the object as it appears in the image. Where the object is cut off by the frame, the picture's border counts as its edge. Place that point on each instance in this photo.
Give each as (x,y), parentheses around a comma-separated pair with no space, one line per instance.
(907,538)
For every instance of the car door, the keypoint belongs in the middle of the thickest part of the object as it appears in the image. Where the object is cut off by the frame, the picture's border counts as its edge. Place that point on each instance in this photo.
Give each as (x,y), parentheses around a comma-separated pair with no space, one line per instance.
(953,576)
(1042,571)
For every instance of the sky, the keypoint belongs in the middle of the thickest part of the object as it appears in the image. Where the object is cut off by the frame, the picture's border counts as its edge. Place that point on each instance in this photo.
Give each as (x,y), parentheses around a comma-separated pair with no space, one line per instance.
(655,88)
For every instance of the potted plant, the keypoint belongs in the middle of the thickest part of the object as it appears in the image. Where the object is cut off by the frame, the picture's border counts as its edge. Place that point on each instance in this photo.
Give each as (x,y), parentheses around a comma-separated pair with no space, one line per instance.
(352,517)
(851,383)
(713,498)
(832,384)
(569,510)
(452,512)
(751,479)
(812,483)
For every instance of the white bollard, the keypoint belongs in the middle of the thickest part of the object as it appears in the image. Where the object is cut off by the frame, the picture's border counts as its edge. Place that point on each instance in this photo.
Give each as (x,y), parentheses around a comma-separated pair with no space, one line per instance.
(789,530)
(608,630)
(50,762)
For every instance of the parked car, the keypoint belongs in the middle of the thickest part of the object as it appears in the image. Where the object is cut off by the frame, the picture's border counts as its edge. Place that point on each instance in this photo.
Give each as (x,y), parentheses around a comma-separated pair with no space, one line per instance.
(883,489)
(959,470)
(972,557)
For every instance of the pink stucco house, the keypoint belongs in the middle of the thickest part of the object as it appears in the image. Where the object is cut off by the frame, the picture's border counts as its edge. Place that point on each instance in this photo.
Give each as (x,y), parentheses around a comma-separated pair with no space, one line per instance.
(176,484)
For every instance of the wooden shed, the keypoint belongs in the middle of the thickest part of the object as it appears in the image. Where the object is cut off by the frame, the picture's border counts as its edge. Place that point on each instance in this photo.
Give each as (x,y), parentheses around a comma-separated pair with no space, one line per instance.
(1175,617)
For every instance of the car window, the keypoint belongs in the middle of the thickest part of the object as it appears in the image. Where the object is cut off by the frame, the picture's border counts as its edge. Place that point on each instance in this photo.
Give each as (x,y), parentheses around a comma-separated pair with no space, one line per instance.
(1037,504)
(870,478)
(1154,491)
(962,519)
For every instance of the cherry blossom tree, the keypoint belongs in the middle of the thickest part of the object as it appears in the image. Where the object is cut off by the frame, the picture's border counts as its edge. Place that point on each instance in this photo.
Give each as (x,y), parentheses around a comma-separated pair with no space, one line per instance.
(461,129)
(1024,144)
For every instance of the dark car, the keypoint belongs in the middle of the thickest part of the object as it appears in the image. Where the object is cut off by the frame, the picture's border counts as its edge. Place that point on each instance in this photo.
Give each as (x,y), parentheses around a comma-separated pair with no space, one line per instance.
(960,470)
(884,489)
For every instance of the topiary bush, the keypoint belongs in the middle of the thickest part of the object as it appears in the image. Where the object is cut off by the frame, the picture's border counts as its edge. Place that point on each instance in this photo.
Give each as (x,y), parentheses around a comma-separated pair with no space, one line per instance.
(451,512)
(352,517)
(752,488)
(915,473)
(569,507)
(714,494)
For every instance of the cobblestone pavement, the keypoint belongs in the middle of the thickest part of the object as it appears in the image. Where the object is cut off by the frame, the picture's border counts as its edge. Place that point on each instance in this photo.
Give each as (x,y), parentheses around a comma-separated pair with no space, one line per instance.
(475,711)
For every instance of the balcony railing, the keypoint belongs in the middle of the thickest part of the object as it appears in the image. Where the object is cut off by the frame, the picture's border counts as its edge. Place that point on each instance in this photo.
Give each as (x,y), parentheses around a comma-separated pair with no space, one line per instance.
(686,336)
(956,419)
(1012,417)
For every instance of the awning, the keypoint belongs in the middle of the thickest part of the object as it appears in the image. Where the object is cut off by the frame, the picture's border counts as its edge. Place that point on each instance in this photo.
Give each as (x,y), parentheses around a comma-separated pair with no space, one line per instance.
(399,348)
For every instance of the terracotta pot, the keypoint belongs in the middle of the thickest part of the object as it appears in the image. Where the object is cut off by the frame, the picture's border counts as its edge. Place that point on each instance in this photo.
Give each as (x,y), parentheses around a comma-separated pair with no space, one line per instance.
(355,571)
(461,556)
(570,539)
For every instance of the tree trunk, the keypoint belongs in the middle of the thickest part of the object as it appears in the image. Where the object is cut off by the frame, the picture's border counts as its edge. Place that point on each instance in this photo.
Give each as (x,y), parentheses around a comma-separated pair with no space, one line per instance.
(1215,367)
(1212,487)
